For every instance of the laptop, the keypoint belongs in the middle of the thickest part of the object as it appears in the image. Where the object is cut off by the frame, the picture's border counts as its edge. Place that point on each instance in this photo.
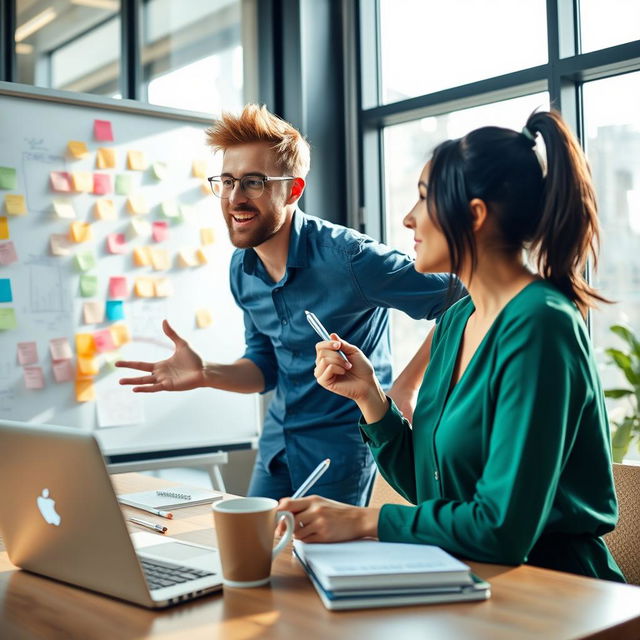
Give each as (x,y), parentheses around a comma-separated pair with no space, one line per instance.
(59,517)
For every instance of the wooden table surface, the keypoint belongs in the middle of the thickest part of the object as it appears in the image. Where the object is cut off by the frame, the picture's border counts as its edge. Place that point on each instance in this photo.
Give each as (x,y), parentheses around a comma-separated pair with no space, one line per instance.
(526,602)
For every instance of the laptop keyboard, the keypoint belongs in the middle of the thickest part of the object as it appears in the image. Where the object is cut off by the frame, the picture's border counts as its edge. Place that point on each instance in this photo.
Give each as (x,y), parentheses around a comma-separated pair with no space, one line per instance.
(162,574)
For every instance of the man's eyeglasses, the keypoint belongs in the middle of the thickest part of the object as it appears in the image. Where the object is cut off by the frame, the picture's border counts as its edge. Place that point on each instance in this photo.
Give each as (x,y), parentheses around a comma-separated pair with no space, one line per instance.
(252,186)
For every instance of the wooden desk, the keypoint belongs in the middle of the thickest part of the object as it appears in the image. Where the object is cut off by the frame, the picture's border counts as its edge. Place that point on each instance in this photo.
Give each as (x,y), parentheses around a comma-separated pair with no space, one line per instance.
(526,603)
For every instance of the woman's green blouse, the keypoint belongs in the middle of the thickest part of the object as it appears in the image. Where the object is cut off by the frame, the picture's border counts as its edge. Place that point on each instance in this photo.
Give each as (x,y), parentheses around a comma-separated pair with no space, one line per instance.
(512,464)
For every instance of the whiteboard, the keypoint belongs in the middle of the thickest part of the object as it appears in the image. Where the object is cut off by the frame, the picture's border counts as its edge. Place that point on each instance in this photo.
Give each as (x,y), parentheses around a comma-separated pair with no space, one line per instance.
(35,127)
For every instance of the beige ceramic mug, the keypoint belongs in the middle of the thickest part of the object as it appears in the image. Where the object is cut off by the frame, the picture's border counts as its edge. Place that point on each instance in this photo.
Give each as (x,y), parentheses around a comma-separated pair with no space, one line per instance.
(245,528)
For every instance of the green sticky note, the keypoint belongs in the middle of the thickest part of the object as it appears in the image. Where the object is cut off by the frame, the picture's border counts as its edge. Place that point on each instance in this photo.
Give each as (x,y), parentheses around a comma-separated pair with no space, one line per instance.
(88,285)
(85,260)
(8,178)
(124,184)
(169,209)
(8,319)
(159,170)
(112,358)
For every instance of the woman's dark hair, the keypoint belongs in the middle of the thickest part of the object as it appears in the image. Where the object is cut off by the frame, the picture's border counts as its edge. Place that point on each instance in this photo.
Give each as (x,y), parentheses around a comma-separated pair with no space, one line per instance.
(553,215)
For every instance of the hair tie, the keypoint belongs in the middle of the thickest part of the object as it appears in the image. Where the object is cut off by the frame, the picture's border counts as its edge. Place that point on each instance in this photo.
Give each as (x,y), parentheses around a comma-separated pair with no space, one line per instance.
(530,136)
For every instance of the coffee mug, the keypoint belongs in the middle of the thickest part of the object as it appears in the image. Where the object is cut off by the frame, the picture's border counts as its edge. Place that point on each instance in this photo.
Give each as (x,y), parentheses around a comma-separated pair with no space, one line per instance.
(245,529)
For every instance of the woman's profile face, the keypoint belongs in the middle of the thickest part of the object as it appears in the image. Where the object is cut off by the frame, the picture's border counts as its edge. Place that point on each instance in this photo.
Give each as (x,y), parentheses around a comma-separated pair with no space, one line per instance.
(432,253)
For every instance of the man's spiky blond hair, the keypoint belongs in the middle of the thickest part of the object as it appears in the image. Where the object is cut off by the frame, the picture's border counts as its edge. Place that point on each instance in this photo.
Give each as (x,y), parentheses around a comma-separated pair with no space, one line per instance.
(257,124)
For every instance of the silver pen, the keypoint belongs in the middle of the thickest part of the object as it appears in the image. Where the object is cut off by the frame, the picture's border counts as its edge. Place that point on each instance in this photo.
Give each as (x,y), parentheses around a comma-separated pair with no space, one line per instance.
(320,330)
(149,525)
(314,476)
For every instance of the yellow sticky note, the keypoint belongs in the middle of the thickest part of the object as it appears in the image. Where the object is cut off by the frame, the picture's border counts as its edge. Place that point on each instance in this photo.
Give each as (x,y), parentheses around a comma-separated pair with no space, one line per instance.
(207,236)
(88,366)
(106,158)
(141,257)
(93,312)
(77,149)
(187,258)
(64,210)
(163,287)
(159,259)
(199,168)
(82,181)
(140,227)
(120,333)
(80,231)
(85,391)
(4,228)
(137,204)
(85,346)
(203,318)
(144,288)
(136,160)
(15,204)
(59,244)
(202,256)
(105,210)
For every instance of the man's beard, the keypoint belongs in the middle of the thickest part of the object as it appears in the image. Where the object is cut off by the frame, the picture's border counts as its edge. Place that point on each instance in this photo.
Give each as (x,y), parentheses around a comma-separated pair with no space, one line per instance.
(263,231)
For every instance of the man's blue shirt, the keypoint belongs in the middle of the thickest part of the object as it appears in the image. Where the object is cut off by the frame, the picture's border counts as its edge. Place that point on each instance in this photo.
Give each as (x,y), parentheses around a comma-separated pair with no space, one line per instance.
(349,281)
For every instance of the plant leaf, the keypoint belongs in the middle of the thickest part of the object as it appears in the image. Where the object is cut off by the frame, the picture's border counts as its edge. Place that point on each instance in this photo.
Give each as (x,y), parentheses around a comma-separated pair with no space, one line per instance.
(623,361)
(627,335)
(617,393)
(621,440)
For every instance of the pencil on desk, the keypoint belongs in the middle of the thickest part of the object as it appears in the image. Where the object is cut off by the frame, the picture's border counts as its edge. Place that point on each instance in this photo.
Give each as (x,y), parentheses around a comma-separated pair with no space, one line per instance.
(156,512)
(159,528)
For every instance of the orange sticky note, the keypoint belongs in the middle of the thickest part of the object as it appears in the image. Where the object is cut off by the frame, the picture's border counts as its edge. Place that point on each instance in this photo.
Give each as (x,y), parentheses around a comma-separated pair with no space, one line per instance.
(202,256)
(82,181)
(159,259)
(136,160)
(106,158)
(207,236)
(77,149)
(85,346)
(60,245)
(163,288)
(203,318)
(64,210)
(199,168)
(80,231)
(187,258)
(15,204)
(87,366)
(137,204)
(144,288)
(141,257)
(105,210)
(93,312)
(4,228)
(85,391)
(120,333)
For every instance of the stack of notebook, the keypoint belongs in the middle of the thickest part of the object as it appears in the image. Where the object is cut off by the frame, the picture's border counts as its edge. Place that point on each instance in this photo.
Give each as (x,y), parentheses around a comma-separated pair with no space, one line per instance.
(170,498)
(366,573)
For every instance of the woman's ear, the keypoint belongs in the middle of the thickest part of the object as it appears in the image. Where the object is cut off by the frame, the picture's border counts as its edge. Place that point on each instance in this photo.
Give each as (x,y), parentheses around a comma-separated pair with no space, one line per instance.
(296,190)
(478,210)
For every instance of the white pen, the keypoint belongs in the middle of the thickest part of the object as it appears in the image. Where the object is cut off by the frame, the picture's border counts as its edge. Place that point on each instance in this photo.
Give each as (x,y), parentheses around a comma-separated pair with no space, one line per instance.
(312,319)
(314,476)
(156,512)
(149,525)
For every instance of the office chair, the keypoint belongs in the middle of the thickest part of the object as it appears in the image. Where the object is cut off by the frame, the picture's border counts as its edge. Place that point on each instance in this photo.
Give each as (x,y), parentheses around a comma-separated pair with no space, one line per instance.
(383,493)
(624,540)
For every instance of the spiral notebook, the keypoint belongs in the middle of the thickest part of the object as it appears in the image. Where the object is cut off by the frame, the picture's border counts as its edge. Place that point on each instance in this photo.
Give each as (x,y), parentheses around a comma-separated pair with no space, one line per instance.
(170,498)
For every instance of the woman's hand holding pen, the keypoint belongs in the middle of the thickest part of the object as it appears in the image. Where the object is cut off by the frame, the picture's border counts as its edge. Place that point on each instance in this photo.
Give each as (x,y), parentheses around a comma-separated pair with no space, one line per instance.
(354,379)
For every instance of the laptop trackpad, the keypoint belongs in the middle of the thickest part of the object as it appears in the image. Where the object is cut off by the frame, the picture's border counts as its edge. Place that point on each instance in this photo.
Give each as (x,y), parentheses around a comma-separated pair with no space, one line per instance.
(175,552)
(172,550)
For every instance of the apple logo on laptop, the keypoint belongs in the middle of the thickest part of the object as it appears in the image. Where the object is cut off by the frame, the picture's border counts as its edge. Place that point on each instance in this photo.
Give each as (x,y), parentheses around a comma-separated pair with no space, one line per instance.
(47,508)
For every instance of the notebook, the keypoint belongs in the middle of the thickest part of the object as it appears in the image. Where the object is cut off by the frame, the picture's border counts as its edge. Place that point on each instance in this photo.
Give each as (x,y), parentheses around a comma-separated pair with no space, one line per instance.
(170,498)
(366,573)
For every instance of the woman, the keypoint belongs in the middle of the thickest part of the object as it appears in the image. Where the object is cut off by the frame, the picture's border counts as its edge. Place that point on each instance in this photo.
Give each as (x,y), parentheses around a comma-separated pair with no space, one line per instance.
(508,460)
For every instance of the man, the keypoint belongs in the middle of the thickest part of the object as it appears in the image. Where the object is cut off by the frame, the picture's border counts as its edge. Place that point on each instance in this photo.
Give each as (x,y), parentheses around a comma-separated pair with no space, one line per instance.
(286,262)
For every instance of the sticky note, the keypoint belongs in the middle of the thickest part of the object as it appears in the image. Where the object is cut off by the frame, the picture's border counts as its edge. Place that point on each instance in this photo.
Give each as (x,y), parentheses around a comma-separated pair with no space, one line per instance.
(116,243)
(77,149)
(141,257)
(120,333)
(8,253)
(85,260)
(85,345)
(199,168)
(102,184)
(105,210)
(111,359)
(159,231)
(80,231)
(159,259)
(8,178)
(124,184)
(159,170)
(85,391)
(163,288)
(82,181)
(88,285)
(87,366)
(140,227)
(205,187)
(102,130)
(62,370)
(60,349)
(60,244)
(118,287)
(5,290)
(93,312)
(136,160)
(169,209)
(144,288)
(15,204)
(4,228)
(207,236)
(137,204)
(103,340)
(106,158)
(64,210)
(203,318)
(33,378)
(202,256)
(8,319)
(187,258)
(60,181)
(115,310)
(27,353)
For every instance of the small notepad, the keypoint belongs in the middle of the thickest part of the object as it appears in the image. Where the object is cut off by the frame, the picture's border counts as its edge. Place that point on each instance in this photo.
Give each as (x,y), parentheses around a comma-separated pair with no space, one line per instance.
(171,498)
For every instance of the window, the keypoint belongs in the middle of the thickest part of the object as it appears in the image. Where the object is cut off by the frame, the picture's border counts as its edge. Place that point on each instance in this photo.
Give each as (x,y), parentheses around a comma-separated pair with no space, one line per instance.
(607,23)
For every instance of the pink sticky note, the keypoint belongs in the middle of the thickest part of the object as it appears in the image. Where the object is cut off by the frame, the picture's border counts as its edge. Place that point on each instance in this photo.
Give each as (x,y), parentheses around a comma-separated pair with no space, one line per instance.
(160,231)
(102,130)
(60,349)
(60,181)
(8,253)
(63,370)
(116,243)
(33,377)
(27,353)
(102,184)
(118,287)
(103,340)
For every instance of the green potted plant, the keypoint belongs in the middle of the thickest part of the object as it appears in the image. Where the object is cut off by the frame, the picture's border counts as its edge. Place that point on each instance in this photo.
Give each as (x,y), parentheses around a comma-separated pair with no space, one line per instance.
(627,428)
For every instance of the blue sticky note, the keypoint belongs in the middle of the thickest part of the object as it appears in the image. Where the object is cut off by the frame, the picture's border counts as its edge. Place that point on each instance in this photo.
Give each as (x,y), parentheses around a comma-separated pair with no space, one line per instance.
(5,290)
(115,310)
